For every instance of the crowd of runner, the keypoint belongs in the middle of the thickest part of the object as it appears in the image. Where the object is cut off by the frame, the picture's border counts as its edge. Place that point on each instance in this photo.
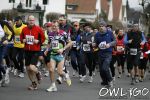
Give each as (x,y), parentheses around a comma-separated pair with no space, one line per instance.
(26,48)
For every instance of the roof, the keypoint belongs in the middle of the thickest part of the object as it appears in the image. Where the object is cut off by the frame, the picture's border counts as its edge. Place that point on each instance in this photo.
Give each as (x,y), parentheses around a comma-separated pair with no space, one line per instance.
(82,6)
(117,4)
(89,7)
(105,6)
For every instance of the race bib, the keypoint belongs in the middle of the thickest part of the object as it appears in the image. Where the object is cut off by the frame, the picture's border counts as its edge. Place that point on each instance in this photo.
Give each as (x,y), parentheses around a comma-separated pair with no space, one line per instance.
(133,51)
(57,37)
(2,33)
(102,45)
(55,44)
(29,39)
(17,39)
(74,44)
(120,48)
(86,47)
(142,55)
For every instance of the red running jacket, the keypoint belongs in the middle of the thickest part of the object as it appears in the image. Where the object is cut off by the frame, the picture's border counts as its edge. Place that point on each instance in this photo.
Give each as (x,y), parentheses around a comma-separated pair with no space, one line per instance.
(30,34)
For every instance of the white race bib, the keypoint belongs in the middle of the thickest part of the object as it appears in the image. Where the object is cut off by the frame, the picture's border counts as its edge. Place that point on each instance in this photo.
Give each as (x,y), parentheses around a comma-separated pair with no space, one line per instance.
(120,48)
(29,39)
(57,37)
(74,44)
(17,39)
(2,33)
(55,44)
(133,51)
(86,47)
(142,55)
(102,45)
(147,52)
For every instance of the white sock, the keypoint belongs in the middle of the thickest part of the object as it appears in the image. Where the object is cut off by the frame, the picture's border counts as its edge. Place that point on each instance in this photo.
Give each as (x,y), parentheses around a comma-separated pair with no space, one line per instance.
(53,84)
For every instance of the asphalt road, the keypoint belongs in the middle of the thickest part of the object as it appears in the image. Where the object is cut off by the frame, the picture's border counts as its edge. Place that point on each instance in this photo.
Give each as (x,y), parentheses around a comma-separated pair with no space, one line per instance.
(17,90)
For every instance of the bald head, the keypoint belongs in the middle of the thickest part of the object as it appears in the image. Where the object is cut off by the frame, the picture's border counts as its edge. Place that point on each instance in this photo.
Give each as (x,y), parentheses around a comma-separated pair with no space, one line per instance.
(31,20)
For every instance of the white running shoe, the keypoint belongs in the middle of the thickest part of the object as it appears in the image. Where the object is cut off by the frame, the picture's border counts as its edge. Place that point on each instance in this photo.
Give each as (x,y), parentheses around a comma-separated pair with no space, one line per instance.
(46,74)
(12,69)
(59,80)
(21,75)
(110,84)
(90,79)
(119,76)
(15,72)
(7,80)
(80,76)
(52,88)
(6,77)
(75,73)
(82,79)
(94,73)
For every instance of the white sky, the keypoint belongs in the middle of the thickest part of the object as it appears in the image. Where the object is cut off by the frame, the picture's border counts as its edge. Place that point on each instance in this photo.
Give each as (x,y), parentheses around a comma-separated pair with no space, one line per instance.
(134,3)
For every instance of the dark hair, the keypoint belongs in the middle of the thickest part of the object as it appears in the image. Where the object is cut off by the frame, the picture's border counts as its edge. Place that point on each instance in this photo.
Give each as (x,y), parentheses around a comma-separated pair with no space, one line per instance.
(18,18)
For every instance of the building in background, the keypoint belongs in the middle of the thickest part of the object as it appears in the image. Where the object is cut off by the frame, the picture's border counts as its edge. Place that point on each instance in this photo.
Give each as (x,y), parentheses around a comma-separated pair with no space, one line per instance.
(115,10)
(38,8)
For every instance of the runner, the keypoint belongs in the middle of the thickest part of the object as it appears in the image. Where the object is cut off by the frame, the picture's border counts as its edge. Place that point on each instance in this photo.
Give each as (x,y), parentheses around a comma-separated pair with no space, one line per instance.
(105,40)
(18,50)
(33,37)
(6,33)
(86,53)
(133,40)
(75,50)
(120,47)
(58,43)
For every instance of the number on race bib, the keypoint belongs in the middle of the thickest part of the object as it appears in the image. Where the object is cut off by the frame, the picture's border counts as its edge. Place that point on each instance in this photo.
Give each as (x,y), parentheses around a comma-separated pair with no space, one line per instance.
(30,39)
(86,47)
(142,55)
(120,48)
(55,44)
(74,44)
(133,51)
(17,38)
(102,45)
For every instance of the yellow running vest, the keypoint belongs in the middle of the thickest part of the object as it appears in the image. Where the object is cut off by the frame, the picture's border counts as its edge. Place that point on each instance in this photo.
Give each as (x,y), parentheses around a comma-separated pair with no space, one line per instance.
(17,31)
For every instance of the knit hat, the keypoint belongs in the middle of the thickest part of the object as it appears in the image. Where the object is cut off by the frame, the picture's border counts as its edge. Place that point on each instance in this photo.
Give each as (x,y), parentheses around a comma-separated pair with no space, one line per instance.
(103,23)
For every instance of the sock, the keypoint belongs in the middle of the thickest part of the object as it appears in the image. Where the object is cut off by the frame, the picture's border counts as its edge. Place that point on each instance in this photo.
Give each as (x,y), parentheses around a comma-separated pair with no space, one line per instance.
(53,84)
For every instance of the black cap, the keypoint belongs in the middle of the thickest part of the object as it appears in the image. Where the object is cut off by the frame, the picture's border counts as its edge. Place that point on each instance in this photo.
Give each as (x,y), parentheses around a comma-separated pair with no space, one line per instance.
(18,18)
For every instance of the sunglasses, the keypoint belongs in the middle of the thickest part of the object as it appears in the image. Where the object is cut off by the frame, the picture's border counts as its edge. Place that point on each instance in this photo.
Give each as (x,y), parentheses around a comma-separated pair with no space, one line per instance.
(75,25)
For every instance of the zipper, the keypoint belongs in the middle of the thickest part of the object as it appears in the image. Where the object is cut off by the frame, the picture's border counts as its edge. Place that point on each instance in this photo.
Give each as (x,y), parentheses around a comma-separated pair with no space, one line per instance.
(30,35)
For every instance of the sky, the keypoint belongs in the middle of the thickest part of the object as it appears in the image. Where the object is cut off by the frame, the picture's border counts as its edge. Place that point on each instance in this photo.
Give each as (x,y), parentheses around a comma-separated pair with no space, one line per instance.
(134,3)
